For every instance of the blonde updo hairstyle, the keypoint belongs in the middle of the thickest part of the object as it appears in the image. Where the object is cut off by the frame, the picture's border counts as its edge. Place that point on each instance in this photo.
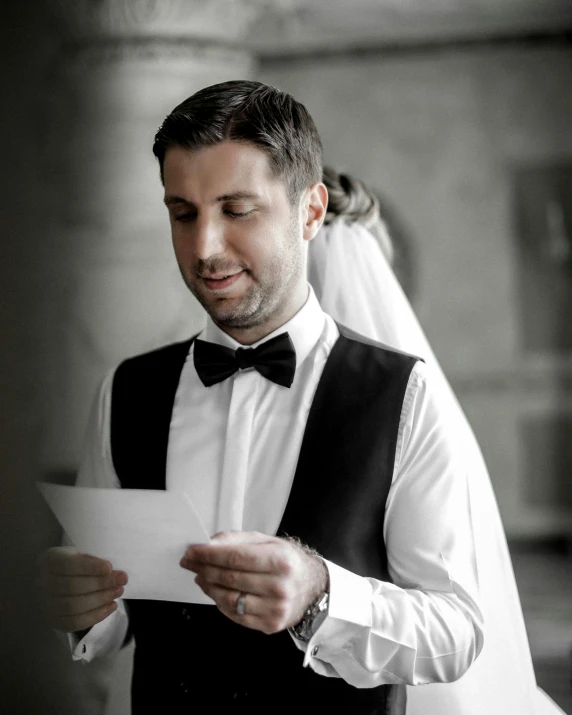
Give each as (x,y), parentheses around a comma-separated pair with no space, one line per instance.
(351,201)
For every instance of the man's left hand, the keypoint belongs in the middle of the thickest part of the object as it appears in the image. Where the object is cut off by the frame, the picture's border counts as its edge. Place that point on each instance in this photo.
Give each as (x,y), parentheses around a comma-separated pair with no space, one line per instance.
(279,578)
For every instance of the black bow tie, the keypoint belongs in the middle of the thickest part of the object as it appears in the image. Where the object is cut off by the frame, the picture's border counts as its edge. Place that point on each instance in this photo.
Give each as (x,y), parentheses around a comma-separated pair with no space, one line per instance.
(274,359)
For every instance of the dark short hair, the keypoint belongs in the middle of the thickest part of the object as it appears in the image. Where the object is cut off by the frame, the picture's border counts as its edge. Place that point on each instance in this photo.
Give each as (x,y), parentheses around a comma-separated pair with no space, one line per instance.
(249,112)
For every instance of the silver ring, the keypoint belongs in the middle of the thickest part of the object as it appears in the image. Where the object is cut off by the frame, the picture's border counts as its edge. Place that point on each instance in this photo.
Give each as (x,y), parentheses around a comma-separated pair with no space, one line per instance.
(240,604)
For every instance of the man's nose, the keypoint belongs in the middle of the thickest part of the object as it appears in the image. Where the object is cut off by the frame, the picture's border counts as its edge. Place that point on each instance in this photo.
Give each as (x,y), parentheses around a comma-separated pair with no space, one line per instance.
(209,238)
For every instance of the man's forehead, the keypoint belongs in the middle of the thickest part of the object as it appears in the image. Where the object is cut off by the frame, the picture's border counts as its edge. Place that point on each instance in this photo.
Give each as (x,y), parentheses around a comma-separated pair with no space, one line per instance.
(227,169)
(245,159)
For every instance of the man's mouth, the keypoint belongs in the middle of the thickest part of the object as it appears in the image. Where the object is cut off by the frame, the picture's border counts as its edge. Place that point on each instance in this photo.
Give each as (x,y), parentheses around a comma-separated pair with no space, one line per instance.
(220,281)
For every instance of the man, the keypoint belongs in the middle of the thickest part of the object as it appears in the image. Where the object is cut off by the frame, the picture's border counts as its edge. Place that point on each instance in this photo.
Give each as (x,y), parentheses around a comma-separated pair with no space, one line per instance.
(275,421)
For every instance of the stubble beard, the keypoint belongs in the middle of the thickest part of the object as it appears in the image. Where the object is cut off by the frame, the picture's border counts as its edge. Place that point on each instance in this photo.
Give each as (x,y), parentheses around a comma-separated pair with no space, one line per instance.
(266,295)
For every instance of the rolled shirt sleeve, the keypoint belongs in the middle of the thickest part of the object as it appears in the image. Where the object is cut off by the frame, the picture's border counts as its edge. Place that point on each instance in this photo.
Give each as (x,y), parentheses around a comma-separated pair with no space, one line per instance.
(426,626)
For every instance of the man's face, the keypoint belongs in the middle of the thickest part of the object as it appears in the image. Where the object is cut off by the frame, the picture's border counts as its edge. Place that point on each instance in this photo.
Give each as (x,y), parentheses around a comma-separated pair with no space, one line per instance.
(238,240)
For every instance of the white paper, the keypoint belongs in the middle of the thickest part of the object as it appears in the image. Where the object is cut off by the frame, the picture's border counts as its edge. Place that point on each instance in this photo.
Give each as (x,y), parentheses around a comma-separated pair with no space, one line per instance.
(144,532)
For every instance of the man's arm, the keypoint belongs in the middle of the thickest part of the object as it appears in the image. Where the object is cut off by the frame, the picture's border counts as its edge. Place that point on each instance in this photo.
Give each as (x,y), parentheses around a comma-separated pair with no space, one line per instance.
(82,594)
(426,626)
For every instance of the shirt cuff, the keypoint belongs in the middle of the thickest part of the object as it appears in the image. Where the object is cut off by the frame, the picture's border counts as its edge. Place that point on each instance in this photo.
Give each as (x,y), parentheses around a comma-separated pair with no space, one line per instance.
(105,638)
(349,612)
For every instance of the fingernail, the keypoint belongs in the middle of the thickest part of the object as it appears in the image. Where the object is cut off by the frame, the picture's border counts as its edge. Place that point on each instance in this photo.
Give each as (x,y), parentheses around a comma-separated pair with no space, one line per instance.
(121,578)
(118,592)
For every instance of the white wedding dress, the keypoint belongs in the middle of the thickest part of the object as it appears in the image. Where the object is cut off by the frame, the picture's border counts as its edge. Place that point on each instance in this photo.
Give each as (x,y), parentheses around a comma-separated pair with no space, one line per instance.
(357,287)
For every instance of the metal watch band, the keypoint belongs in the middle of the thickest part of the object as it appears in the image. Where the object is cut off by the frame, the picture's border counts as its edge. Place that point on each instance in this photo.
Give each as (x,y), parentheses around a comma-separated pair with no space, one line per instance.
(313,617)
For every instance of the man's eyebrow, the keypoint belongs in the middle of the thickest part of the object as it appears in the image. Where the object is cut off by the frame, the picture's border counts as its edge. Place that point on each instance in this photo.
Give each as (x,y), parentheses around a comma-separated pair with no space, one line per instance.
(174,200)
(235,196)
(238,195)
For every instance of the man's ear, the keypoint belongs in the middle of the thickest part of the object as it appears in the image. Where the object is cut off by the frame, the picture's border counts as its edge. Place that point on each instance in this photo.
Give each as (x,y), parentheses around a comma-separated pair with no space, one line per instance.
(314,209)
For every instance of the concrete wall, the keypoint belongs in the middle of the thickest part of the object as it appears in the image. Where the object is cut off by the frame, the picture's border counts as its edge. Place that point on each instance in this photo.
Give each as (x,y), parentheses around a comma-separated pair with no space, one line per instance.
(36,674)
(438,134)
(87,277)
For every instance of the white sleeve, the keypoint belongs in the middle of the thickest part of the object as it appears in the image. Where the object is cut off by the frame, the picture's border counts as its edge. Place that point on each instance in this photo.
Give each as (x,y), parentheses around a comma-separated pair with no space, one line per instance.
(105,638)
(96,470)
(426,626)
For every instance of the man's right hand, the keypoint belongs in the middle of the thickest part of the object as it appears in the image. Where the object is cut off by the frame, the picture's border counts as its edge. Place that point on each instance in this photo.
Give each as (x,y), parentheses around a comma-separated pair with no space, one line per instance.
(77,590)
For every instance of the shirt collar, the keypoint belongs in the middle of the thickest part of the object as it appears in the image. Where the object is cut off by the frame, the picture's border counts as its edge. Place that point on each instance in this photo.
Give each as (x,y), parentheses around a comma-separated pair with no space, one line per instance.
(304,329)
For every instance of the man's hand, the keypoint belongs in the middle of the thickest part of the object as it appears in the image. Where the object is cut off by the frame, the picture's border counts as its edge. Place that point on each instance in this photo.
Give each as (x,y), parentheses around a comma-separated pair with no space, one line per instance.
(77,591)
(279,577)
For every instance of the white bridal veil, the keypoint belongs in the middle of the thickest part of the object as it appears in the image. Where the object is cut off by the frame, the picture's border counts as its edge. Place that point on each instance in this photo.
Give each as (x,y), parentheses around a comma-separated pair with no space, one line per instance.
(357,287)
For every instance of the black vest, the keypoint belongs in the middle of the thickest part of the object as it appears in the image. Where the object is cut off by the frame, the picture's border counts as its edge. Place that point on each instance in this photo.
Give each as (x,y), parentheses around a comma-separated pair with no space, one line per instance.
(190,658)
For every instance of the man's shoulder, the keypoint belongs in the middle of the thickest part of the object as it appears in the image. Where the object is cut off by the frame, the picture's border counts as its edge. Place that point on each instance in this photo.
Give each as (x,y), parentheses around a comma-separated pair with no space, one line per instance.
(158,359)
(158,354)
(376,346)
(147,379)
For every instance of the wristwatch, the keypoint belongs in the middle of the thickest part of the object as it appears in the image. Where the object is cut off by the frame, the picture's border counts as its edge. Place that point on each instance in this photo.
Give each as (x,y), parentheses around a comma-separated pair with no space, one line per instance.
(313,617)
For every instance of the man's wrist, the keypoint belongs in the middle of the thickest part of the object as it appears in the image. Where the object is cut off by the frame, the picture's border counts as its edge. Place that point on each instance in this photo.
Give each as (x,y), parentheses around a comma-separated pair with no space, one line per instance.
(317,609)
(315,613)
(313,618)
(323,578)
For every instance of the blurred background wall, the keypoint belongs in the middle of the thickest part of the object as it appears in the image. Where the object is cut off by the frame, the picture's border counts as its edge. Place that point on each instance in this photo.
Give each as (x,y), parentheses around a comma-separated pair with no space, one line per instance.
(457,114)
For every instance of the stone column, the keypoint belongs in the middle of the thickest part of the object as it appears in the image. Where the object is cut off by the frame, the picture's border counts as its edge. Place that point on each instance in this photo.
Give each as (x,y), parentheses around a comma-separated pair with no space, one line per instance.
(100,257)
(112,286)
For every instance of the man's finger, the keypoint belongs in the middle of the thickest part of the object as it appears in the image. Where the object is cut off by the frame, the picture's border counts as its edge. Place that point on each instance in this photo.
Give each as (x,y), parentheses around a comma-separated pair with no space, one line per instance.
(70,624)
(273,557)
(77,585)
(226,600)
(77,605)
(62,562)
(242,537)
(262,584)
(259,613)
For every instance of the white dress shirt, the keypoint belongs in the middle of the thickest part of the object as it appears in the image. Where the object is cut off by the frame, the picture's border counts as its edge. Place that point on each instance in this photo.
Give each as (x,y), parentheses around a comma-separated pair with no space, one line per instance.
(233,448)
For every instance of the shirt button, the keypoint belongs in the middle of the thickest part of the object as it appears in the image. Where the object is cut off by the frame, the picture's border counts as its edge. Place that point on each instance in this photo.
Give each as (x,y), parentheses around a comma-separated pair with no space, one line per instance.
(315,650)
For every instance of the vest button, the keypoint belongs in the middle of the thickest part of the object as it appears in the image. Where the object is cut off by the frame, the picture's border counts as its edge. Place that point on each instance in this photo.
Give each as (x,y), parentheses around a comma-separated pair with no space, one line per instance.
(186,615)
(315,650)
(184,687)
(239,695)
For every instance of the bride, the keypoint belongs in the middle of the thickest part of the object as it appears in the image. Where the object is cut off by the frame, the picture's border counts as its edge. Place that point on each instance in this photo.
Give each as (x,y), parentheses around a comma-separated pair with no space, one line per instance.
(351,275)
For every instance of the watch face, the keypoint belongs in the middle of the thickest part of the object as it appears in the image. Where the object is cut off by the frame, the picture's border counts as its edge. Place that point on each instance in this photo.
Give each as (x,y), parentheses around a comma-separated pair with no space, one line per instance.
(313,617)
(302,631)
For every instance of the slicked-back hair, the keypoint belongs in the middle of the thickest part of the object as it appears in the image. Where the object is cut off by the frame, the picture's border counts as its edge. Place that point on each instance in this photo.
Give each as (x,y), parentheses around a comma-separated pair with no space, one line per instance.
(248,112)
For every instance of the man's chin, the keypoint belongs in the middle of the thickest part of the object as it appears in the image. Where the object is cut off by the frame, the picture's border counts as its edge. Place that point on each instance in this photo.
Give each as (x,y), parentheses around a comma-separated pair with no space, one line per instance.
(235,321)
(230,311)
(227,313)
(238,319)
